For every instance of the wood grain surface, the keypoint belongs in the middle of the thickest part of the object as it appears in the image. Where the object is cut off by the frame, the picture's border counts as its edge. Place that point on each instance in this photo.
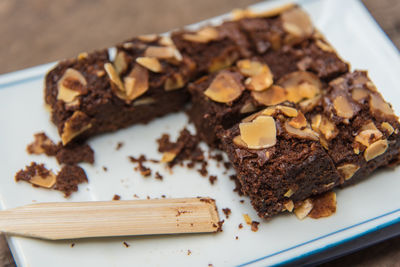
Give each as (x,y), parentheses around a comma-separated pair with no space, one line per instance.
(41,31)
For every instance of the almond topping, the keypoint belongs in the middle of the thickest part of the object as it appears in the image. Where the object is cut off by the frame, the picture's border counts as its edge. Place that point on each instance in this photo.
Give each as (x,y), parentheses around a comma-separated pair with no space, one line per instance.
(359,94)
(289,205)
(78,123)
(328,128)
(389,128)
(148,37)
(259,82)
(166,41)
(224,88)
(150,63)
(247,108)
(237,140)
(306,133)
(136,83)
(368,135)
(260,133)
(250,67)
(376,149)
(71,85)
(247,13)
(299,121)
(120,62)
(144,101)
(168,156)
(348,170)
(300,85)
(377,104)
(297,23)
(324,205)
(163,52)
(174,82)
(272,96)
(47,182)
(204,35)
(309,104)
(114,77)
(289,193)
(343,107)
(288,111)
(303,209)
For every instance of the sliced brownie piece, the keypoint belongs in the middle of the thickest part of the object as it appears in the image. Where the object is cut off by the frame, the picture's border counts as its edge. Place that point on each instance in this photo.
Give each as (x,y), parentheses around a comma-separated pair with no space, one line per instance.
(358,129)
(278,159)
(89,95)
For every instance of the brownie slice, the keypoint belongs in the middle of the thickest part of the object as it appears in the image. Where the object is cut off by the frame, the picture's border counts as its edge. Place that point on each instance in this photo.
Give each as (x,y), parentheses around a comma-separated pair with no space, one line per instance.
(358,129)
(90,94)
(278,159)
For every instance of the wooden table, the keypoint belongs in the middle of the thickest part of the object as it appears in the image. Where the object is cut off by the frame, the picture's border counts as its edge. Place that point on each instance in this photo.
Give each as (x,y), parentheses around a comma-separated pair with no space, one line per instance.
(41,31)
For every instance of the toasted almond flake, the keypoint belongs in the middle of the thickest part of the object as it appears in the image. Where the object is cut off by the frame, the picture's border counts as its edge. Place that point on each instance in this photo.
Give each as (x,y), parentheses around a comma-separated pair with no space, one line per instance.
(247,219)
(288,111)
(303,209)
(70,131)
(376,149)
(120,62)
(328,128)
(150,63)
(377,104)
(163,52)
(343,107)
(260,81)
(359,94)
(289,193)
(368,134)
(309,104)
(136,83)
(224,88)
(296,22)
(324,46)
(316,122)
(46,182)
(148,37)
(306,133)
(114,77)
(204,35)
(272,96)
(71,85)
(222,62)
(168,156)
(300,85)
(247,108)
(166,41)
(82,55)
(389,128)
(260,133)
(299,121)
(348,170)
(251,67)
(323,205)
(247,13)
(289,205)
(144,101)
(174,82)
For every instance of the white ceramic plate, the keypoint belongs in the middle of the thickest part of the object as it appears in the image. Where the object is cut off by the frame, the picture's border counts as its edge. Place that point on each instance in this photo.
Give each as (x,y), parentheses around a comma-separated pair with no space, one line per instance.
(370,205)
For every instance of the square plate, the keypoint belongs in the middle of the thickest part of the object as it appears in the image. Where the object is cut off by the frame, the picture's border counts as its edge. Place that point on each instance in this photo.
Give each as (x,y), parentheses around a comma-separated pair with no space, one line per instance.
(368,206)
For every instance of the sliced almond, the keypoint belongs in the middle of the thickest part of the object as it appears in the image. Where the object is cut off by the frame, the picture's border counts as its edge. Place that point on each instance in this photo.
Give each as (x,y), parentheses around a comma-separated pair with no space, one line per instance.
(144,101)
(237,140)
(148,37)
(377,104)
(222,62)
(289,193)
(47,182)
(83,55)
(306,133)
(247,13)
(136,83)
(168,156)
(289,205)
(204,35)
(325,46)
(299,121)
(224,88)
(163,52)
(247,108)
(368,134)
(359,94)
(120,62)
(260,133)
(309,104)
(175,81)
(272,96)
(328,128)
(389,128)
(166,41)
(300,85)
(74,126)
(348,170)
(324,205)
(316,122)
(251,67)
(150,63)
(303,209)
(376,149)
(261,81)
(297,23)
(288,111)
(114,77)
(343,107)
(71,85)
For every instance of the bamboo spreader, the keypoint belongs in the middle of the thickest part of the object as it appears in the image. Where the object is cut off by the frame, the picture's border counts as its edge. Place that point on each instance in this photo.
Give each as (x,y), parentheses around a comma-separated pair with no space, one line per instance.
(71,220)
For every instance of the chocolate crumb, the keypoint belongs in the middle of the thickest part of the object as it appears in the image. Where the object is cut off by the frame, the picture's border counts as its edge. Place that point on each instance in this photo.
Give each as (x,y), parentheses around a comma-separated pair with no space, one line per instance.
(227,212)
(158,176)
(238,186)
(236,237)
(163,196)
(227,165)
(241,201)
(116,197)
(145,171)
(72,245)
(203,170)
(68,179)
(135,195)
(220,223)
(32,170)
(119,145)
(126,244)
(189,252)
(42,144)
(240,226)
(105,168)
(148,197)
(207,200)
(210,265)
(74,153)
(212,178)
(254,226)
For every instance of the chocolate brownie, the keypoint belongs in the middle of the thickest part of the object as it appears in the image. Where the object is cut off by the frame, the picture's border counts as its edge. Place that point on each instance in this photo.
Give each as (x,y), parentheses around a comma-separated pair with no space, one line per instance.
(90,94)
(358,129)
(278,159)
